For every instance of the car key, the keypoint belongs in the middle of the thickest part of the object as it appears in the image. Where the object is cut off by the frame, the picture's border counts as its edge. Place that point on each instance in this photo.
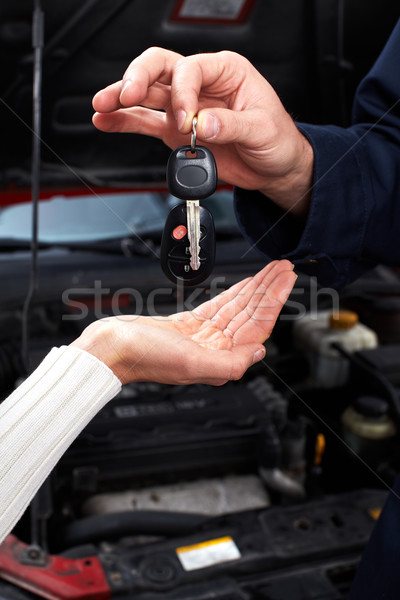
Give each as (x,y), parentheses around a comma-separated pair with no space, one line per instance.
(193,227)
(191,176)
(175,250)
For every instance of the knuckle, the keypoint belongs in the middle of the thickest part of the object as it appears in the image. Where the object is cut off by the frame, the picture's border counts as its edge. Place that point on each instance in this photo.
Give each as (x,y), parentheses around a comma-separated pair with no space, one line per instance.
(230,55)
(149,53)
(152,52)
(181,63)
(235,64)
(186,74)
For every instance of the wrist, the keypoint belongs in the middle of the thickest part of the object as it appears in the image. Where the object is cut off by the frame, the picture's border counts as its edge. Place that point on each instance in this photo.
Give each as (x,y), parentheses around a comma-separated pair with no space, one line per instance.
(96,339)
(292,190)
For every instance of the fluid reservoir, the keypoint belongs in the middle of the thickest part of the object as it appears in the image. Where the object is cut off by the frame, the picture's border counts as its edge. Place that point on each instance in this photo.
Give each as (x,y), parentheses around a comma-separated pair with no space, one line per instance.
(316,332)
(368,428)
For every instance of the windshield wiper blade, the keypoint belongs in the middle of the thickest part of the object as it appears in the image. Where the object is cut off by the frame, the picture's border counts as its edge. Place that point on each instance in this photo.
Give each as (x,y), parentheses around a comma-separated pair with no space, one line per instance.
(128,246)
(10,244)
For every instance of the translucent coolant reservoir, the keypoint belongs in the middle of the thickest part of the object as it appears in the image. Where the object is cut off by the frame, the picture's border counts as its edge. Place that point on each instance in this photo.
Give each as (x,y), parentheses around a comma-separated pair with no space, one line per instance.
(368,428)
(316,332)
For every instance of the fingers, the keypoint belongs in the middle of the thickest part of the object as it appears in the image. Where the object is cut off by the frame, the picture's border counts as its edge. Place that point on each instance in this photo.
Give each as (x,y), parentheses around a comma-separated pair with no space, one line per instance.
(268,273)
(218,76)
(133,120)
(256,322)
(209,309)
(258,305)
(228,299)
(230,311)
(107,100)
(193,75)
(154,65)
(160,77)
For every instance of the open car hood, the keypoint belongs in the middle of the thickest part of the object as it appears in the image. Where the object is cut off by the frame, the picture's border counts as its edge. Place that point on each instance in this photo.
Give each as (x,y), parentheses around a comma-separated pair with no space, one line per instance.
(312,53)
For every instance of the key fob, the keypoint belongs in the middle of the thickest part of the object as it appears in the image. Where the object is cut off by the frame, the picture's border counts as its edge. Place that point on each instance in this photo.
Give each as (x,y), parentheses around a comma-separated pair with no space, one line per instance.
(174,253)
(191,175)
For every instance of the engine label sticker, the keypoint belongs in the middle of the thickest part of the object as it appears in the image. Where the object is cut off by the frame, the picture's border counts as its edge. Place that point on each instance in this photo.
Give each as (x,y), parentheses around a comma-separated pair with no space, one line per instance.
(207,554)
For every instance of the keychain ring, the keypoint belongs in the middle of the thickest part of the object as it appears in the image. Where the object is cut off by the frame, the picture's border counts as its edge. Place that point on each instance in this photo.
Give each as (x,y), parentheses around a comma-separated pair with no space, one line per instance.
(194,136)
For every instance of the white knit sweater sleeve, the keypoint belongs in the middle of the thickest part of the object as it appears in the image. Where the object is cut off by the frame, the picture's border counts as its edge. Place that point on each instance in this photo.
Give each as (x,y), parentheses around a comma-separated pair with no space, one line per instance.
(41,418)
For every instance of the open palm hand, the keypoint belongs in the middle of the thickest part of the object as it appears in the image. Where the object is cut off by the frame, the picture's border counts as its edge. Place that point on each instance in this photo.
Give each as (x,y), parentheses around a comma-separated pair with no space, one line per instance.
(216,342)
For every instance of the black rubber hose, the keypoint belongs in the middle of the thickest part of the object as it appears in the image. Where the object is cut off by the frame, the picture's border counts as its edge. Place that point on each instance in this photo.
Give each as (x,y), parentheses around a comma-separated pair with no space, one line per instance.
(116,525)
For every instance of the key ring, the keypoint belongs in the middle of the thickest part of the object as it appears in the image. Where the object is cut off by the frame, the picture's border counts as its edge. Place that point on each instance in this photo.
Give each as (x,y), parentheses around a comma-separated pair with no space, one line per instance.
(194,136)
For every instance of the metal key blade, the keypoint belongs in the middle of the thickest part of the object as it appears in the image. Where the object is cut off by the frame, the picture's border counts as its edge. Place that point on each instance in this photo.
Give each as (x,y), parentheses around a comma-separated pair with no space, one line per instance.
(193,229)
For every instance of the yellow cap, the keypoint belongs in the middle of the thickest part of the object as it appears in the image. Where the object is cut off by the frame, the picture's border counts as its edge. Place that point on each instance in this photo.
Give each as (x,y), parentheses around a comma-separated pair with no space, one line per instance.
(343,319)
(375,512)
(320,444)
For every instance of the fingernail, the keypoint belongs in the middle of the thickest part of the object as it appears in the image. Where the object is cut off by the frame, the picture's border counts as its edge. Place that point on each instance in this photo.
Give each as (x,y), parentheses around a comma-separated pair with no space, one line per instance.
(180,118)
(210,127)
(127,83)
(259,355)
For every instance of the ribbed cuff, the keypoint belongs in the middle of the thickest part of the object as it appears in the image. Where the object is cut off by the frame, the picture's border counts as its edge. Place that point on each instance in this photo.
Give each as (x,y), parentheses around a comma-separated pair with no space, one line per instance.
(41,418)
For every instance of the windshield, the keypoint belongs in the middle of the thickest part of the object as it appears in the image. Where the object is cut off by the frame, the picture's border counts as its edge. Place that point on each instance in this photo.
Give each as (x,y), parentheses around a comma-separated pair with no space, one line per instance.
(103,217)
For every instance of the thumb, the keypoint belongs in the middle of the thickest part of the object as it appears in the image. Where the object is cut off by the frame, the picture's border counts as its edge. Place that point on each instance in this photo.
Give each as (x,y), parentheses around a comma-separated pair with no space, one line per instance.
(258,353)
(225,126)
(219,366)
(244,356)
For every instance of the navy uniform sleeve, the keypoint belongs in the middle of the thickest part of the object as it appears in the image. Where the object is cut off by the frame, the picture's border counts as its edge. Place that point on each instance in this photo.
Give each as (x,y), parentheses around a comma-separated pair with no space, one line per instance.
(354,217)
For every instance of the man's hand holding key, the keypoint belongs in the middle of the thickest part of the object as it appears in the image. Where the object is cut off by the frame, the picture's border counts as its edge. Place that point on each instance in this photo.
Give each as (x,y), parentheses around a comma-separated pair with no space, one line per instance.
(256,144)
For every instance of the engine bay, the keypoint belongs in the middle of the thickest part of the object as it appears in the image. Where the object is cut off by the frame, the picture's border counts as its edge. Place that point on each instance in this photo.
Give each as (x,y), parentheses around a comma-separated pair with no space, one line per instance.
(256,489)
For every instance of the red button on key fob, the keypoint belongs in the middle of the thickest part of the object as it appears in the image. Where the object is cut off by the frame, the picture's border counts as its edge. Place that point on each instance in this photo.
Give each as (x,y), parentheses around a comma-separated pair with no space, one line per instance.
(179,232)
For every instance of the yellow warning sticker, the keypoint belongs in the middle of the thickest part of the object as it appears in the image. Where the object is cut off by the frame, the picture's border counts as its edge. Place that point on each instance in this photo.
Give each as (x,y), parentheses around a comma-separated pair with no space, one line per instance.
(208,553)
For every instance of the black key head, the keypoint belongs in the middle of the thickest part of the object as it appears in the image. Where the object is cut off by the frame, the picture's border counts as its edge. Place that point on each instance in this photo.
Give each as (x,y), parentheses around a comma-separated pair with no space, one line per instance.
(191,175)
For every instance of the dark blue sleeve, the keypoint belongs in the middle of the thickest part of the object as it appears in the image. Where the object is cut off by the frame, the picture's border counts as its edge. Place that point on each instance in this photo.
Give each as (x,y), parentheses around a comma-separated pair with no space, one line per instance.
(354,217)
